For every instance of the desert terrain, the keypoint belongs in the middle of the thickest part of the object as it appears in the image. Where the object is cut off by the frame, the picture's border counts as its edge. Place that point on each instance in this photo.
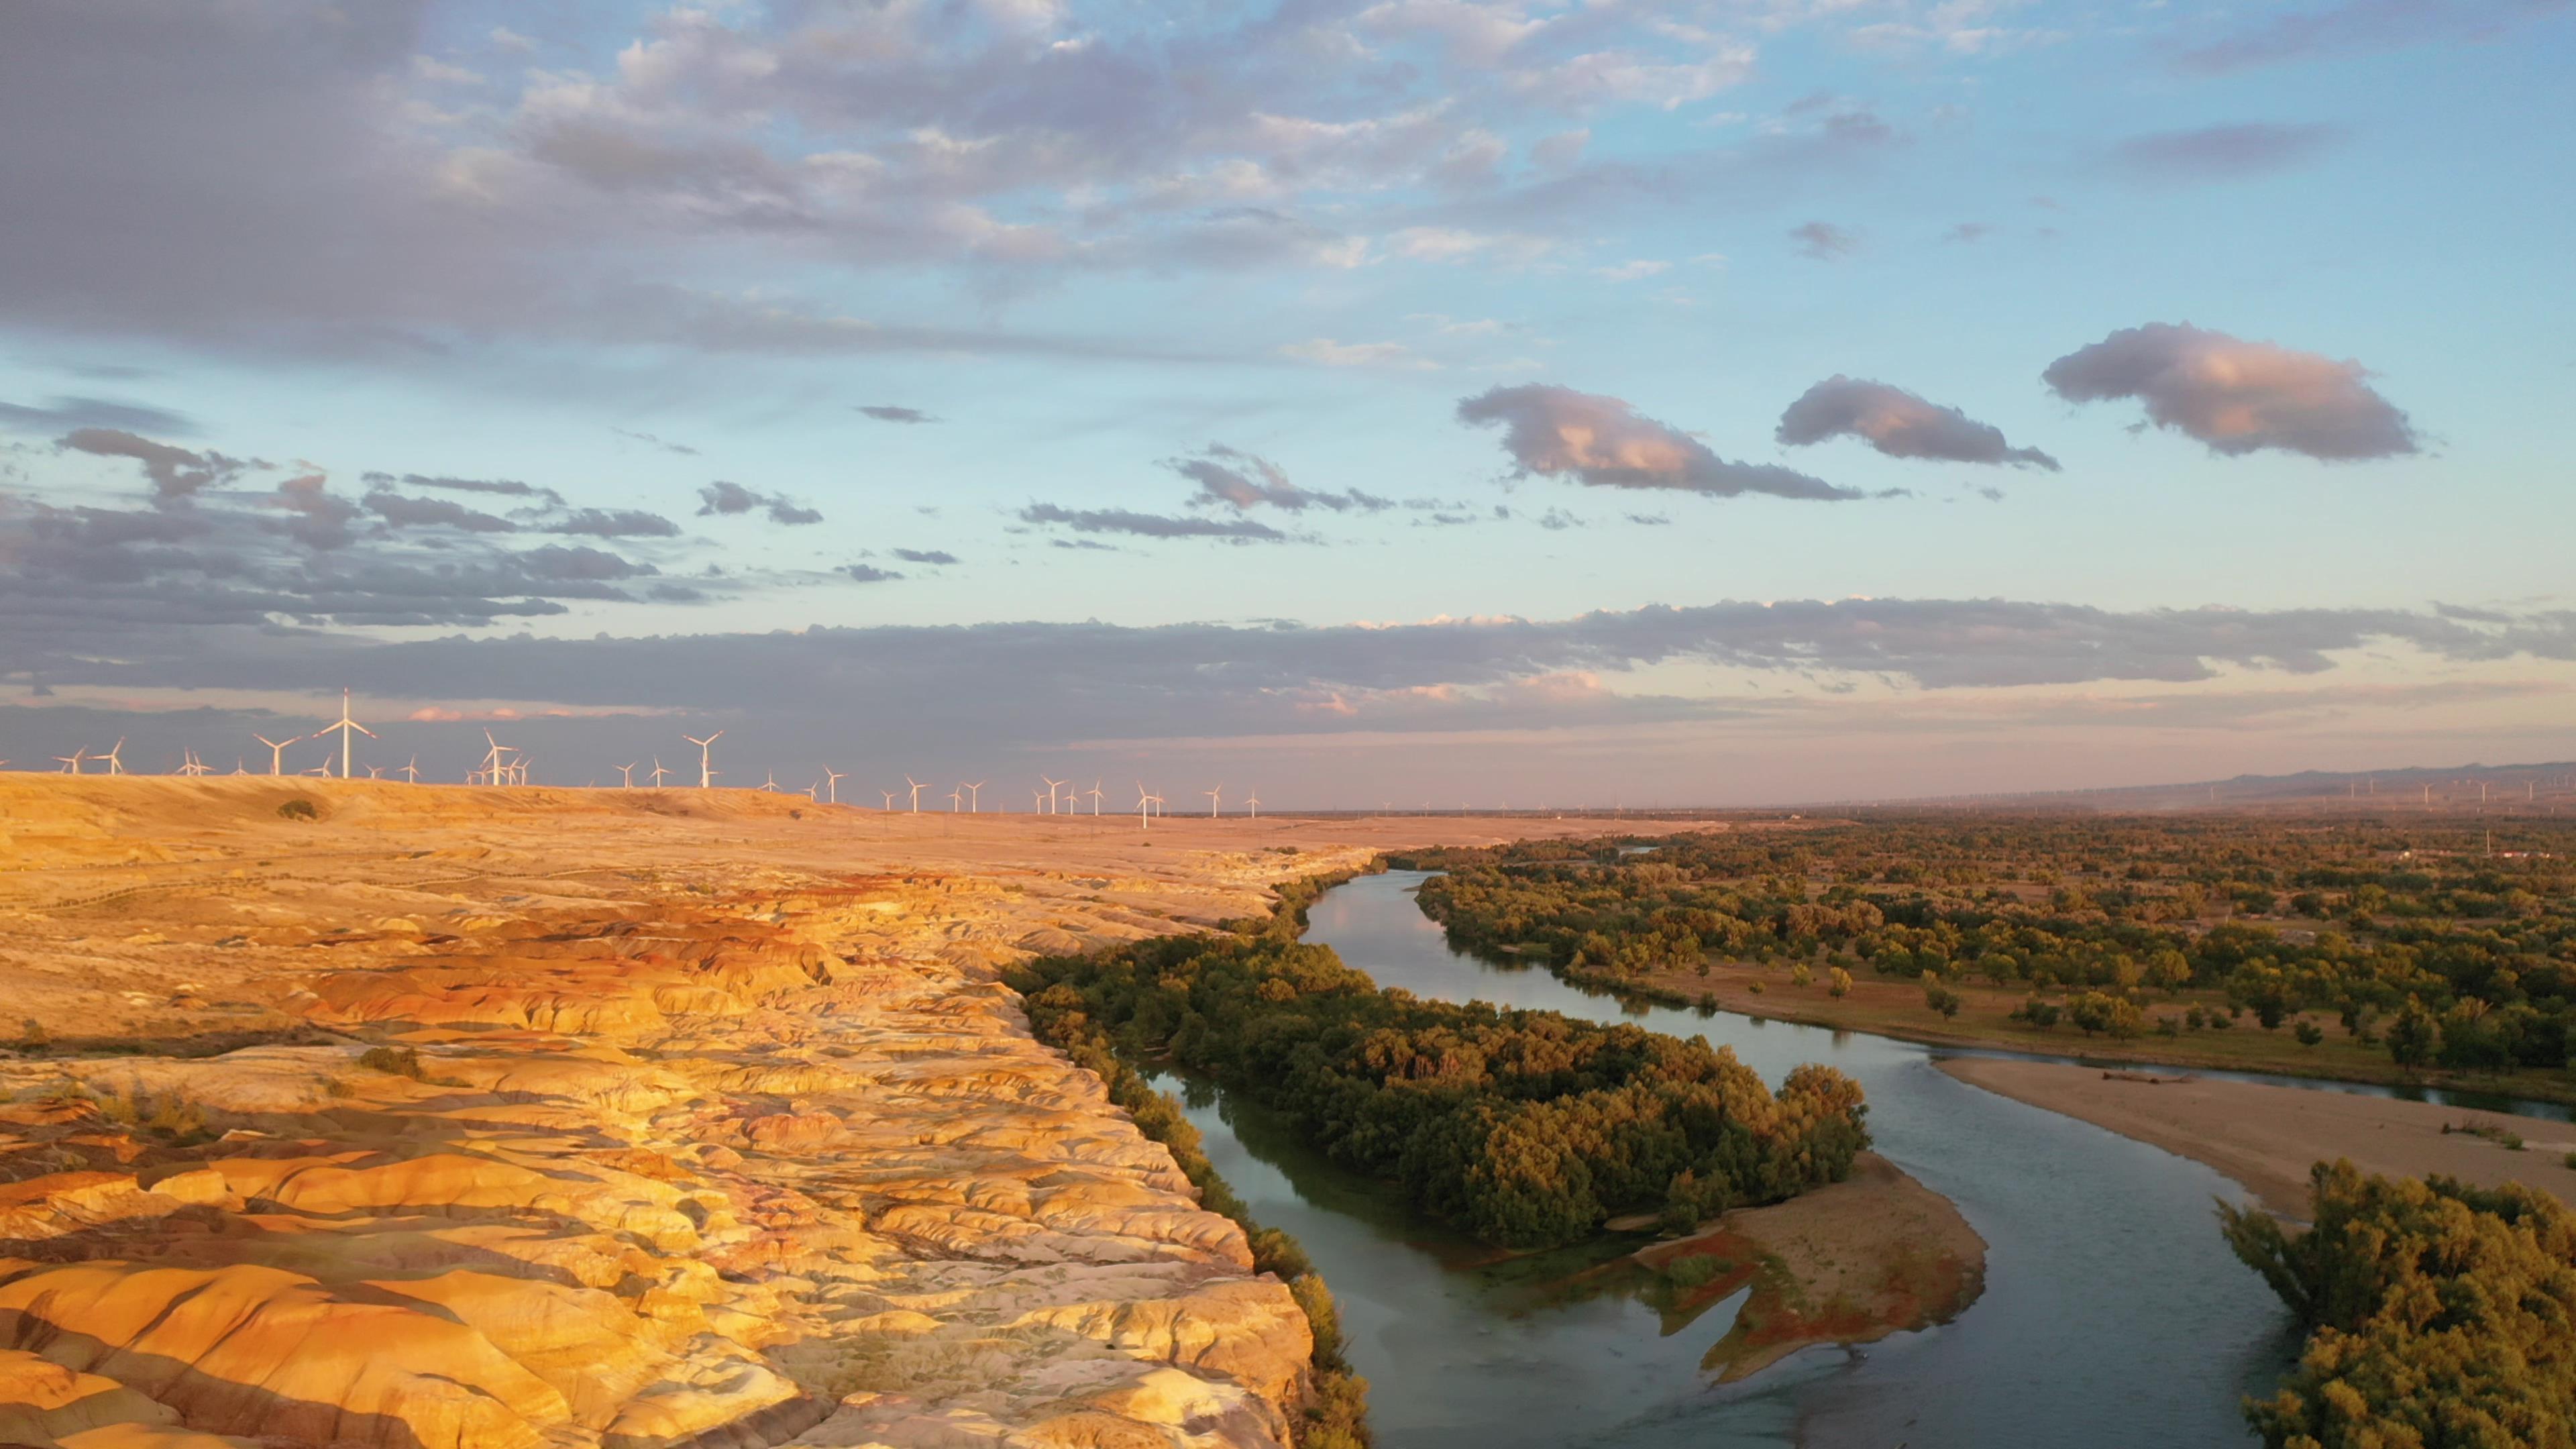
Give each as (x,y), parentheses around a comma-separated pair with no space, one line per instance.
(408,1116)
(2267,1137)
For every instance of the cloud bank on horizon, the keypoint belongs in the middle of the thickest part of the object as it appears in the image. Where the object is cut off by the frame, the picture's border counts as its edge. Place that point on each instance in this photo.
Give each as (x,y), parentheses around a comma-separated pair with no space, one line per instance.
(531,353)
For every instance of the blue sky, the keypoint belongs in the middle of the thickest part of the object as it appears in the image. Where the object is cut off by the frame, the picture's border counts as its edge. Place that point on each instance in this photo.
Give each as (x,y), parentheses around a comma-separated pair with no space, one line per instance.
(404,302)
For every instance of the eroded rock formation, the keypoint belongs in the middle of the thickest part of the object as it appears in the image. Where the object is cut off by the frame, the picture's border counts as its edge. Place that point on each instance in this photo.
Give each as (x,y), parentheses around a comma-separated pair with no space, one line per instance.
(693,1133)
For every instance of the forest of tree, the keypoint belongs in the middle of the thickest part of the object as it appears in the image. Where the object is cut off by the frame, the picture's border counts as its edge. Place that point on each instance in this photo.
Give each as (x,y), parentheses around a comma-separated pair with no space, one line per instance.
(1526,1129)
(2441,1316)
(2449,947)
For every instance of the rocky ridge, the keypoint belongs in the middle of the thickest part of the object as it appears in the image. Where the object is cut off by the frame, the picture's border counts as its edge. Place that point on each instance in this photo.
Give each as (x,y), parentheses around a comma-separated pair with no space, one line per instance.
(726,1135)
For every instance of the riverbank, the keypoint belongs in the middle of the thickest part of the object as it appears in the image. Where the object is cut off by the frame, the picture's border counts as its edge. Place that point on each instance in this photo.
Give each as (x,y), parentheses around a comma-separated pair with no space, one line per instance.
(1848,1264)
(1897,1009)
(2267,1137)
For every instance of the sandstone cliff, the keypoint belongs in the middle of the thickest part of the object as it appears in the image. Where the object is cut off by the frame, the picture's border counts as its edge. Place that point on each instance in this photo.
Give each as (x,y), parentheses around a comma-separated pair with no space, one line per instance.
(559,1118)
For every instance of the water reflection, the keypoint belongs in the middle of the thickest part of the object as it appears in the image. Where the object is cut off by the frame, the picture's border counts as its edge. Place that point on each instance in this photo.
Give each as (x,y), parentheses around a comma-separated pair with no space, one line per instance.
(2112,1316)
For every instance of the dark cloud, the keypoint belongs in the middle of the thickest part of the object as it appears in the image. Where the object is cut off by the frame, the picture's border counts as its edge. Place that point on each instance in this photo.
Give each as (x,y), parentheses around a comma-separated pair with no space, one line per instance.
(2362,25)
(723,499)
(2221,153)
(404,511)
(613,523)
(925,555)
(1899,424)
(2238,397)
(1243,481)
(867,573)
(932,689)
(1601,442)
(1150,525)
(176,473)
(888,413)
(1823,241)
(60,413)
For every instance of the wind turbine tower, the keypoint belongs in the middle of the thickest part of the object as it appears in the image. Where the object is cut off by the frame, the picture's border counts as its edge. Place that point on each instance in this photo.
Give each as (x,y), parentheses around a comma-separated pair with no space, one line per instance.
(277,751)
(345,727)
(706,771)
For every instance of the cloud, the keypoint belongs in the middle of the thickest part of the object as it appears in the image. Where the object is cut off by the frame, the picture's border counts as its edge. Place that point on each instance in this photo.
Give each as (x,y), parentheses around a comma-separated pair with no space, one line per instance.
(1327,352)
(403,511)
(1899,424)
(2238,397)
(1968,232)
(1632,271)
(1244,481)
(2362,25)
(176,473)
(2221,153)
(614,523)
(867,573)
(1823,241)
(723,499)
(60,413)
(925,555)
(888,413)
(1150,525)
(1601,442)
(683,449)
(494,487)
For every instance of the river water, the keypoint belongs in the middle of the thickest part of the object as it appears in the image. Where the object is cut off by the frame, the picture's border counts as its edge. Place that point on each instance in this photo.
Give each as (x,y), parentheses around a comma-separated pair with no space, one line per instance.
(2113,1315)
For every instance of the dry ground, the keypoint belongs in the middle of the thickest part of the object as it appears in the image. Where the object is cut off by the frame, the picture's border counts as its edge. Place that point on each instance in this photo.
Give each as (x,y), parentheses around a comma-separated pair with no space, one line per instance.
(2267,1137)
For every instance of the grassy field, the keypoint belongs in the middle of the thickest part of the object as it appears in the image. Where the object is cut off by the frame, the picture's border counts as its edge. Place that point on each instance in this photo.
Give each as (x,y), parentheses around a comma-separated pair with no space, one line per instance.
(1896,1008)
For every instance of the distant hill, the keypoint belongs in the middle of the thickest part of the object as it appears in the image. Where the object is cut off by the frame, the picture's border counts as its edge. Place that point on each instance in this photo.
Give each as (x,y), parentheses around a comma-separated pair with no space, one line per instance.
(2548,788)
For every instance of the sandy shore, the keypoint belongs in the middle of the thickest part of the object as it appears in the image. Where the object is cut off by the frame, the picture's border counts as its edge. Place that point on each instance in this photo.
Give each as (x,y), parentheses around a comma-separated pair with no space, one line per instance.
(2267,1137)
(1875,1254)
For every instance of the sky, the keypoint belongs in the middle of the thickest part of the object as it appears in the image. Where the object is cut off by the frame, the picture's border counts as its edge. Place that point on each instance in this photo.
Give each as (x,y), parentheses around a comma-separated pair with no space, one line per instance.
(1349,401)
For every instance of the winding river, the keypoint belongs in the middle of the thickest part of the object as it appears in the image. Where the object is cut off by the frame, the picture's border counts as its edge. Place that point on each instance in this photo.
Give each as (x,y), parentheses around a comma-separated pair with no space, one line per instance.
(2113,1315)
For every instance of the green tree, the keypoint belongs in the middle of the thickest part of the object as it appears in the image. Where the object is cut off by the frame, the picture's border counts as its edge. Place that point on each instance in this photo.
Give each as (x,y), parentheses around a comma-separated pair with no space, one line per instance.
(2412,1036)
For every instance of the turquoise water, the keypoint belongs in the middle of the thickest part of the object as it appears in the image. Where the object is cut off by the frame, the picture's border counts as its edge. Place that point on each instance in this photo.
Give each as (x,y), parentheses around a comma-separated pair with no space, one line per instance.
(2112,1316)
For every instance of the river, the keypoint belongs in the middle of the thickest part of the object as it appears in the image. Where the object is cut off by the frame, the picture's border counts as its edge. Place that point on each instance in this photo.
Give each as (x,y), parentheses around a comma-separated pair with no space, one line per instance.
(2113,1315)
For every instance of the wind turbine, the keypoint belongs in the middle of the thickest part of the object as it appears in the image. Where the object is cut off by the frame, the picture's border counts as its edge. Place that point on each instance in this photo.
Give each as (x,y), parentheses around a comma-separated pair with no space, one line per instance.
(832,783)
(411,772)
(1095,798)
(343,727)
(916,793)
(974,797)
(1037,802)
(375,772)
(628,771)
(956,798)
(1212,800)
(115,766)
(706,775)
(1052,786)
(658,772)
(276,751)
(771,784)
(71,763)
(495,766)
(194,767)
(889,800)
(1145,804)
(1255,803)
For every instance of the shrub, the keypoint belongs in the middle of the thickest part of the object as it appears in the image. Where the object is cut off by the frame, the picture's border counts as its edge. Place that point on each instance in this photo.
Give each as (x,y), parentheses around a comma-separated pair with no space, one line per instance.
(2308,1033)
(298,808)
(1838,983)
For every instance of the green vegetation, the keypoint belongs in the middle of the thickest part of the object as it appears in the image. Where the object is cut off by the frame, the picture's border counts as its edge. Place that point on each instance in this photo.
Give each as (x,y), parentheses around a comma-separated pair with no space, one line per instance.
(298,808)
(2422,943)
(2439,1314)
(1526,1129)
